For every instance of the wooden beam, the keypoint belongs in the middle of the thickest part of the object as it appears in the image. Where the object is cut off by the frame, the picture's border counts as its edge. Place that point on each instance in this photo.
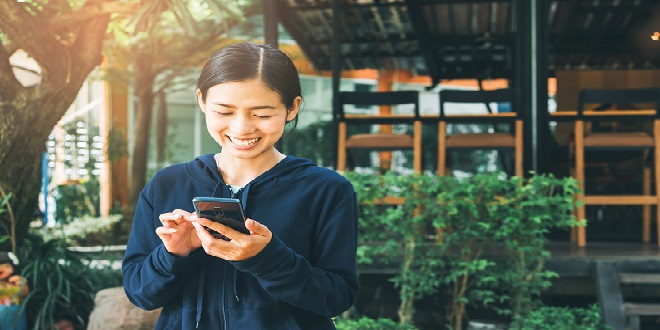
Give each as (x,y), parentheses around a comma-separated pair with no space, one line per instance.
(620,200)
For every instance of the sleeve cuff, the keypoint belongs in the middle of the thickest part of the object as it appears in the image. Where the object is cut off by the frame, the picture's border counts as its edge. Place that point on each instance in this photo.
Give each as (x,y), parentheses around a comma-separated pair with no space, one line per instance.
(170,263)
(274,255)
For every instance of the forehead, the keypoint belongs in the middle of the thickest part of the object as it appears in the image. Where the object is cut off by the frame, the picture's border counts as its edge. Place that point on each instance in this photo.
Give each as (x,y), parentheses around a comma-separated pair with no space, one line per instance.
(245,93)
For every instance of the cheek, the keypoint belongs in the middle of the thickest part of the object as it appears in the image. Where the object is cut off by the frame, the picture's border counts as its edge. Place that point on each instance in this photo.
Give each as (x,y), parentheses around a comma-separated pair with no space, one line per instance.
(215,123)
(274,127)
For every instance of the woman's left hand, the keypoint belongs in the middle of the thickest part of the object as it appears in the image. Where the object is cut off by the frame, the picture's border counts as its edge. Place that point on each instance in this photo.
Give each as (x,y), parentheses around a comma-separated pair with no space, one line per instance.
(240,247)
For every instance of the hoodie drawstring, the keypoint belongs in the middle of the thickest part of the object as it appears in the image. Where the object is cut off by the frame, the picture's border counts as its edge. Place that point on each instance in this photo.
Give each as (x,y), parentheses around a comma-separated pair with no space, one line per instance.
(216,188)
(243,199)
(200,292)
(235,281)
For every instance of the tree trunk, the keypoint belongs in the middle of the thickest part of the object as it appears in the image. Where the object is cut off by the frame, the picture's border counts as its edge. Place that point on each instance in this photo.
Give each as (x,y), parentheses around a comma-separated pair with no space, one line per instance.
(25,125)
(145,78)
(20,164)
(161,129)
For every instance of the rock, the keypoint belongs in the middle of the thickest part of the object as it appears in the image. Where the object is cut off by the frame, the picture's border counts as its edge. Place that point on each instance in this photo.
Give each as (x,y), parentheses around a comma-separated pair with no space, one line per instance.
(112,310)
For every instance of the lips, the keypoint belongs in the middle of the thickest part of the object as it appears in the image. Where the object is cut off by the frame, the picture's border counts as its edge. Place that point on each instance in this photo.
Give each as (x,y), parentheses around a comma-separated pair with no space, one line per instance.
(243,142)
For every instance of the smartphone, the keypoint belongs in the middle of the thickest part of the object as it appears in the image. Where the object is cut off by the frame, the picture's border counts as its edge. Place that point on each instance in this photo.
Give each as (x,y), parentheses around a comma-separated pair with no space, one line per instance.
(227,211)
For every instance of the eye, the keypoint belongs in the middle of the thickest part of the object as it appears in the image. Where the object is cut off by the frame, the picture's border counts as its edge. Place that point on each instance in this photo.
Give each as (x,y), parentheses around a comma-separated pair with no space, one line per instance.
(264,117)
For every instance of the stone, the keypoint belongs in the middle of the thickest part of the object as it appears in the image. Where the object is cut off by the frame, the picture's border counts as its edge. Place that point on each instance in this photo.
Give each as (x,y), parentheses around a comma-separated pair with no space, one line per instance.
(113,311)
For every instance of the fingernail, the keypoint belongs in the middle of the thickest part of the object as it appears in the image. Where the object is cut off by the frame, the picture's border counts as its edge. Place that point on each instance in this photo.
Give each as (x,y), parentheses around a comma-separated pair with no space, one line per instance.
(171,230)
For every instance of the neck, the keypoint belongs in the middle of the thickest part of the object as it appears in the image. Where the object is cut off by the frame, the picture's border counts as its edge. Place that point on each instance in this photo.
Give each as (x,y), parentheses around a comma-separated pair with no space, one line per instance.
(239,172)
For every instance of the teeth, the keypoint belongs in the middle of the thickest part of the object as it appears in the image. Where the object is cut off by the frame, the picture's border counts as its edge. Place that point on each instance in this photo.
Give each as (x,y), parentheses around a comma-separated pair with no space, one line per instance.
(244,143)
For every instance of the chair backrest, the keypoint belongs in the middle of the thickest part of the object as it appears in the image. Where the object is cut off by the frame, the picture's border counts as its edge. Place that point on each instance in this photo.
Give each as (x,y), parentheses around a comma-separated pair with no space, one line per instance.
(619,96)
(463,96)
(379,98)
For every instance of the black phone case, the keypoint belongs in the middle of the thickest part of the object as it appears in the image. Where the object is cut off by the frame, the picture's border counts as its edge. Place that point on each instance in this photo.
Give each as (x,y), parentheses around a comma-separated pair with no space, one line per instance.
(227,211)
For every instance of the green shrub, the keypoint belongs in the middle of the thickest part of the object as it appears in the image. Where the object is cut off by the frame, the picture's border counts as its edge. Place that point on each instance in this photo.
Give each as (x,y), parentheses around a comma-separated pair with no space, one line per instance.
(61,284)
(561,318)
(86,231)
(366,323)
(441,237)
(77,200)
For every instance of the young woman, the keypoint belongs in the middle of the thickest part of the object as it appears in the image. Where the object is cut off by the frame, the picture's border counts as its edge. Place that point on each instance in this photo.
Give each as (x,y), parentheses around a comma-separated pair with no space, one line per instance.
(296,268)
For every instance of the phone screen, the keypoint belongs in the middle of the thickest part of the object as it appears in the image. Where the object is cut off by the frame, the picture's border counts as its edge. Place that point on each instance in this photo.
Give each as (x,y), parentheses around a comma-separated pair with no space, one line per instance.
(227,211)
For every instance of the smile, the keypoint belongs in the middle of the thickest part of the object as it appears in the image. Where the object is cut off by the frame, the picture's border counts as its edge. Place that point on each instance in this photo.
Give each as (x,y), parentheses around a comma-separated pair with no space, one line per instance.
(243,143)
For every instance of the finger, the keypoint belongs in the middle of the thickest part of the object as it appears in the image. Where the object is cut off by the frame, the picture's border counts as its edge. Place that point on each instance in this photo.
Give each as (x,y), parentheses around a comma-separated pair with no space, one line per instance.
(167,217)
(220,228)
(165,231)
(257,228)
(203,234)
(216,247)
(183,213)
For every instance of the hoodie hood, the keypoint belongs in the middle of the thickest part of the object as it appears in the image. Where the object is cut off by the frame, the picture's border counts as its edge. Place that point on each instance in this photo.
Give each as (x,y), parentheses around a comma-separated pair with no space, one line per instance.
(204,170)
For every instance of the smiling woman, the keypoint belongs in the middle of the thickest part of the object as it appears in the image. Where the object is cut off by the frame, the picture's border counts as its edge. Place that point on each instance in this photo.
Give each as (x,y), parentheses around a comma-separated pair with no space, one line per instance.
(296,267)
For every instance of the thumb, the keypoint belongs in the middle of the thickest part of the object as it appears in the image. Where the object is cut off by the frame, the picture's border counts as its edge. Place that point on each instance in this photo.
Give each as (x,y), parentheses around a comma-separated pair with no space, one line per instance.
(256,228)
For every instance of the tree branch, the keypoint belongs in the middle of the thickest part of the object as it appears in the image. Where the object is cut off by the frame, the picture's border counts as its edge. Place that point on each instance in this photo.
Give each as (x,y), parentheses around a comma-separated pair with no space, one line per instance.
(88,47)
(28,32)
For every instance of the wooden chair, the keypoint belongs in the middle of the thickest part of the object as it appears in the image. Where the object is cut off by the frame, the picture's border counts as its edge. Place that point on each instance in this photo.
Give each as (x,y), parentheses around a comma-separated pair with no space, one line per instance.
(348,145)
(618,141)
(511,140)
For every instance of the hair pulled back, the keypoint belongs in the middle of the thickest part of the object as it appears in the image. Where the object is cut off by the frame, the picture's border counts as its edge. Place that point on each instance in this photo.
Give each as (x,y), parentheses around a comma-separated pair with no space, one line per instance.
(247,61)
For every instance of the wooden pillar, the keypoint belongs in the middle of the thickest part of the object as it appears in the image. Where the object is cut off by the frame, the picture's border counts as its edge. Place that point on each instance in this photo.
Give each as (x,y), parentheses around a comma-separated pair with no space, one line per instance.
(385,78)
(115,176)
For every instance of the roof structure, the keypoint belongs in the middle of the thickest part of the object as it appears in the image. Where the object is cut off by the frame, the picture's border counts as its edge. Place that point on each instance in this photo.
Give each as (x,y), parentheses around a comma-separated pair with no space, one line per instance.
(451,39)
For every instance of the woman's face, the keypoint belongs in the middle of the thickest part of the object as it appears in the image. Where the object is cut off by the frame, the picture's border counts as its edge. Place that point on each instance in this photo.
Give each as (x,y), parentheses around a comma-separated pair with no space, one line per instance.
(246,118)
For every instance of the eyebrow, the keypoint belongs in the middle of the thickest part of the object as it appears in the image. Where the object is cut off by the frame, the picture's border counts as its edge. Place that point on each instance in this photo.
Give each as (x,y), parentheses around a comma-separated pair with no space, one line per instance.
(257,107)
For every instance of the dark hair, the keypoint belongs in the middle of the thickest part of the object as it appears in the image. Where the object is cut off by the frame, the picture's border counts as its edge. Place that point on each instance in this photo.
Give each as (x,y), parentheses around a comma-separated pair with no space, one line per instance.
(247,61)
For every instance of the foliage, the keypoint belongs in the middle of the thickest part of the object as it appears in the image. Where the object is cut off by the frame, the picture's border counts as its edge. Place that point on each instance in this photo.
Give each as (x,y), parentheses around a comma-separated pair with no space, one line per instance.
(116,144)
(366,323)
(445,232)
(399,232)
(75,200)
(62,285)
(8,225)
(314,142)
(84,231)
(542,203)
(561,318)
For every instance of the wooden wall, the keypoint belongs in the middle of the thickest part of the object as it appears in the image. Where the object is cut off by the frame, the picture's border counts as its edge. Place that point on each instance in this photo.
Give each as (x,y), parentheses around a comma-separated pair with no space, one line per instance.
(570,82)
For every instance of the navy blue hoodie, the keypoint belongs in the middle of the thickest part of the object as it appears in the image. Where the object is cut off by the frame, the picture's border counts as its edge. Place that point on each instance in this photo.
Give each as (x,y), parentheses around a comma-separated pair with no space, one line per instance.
(302,278)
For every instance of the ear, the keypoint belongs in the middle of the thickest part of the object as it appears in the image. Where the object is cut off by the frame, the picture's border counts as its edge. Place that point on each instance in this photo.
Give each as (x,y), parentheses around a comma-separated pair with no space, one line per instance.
(293,112)
(200,101)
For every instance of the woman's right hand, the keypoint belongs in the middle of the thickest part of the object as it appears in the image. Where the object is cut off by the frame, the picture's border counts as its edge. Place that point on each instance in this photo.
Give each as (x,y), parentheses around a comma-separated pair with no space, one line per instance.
(177,233)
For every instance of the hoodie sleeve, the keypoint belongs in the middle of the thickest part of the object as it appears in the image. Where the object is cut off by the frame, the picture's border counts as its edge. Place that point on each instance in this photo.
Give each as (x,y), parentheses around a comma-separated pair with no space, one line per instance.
(151,275)
(330,285)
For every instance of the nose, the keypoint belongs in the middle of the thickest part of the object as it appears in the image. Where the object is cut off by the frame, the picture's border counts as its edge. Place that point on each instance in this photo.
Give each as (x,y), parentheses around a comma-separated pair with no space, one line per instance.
(242,125)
